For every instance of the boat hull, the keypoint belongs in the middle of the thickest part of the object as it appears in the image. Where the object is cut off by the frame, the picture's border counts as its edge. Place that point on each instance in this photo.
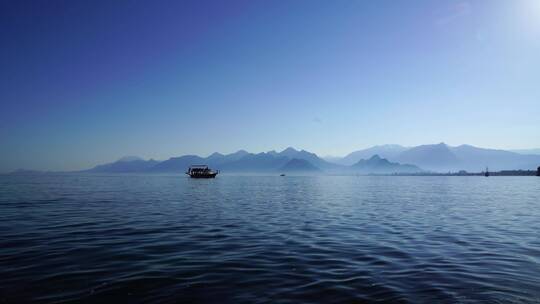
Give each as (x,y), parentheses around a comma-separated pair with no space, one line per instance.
(210,175)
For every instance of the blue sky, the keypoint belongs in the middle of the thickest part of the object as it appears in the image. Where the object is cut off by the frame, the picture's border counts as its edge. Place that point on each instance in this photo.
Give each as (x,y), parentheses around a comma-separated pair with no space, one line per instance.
(86,82)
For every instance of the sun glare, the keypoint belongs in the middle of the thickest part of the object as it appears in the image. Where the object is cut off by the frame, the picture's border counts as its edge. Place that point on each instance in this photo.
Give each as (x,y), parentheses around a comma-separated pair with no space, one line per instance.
(532,12)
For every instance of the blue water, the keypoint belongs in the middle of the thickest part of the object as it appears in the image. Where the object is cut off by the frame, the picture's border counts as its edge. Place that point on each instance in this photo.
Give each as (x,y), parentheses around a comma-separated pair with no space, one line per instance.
(257,239)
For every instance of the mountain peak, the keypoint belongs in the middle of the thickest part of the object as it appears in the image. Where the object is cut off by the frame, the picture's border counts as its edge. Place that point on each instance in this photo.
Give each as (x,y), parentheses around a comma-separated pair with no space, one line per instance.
(239,153)
(378,165)
(289,149)
(289,152)
(465,146)
(215,154)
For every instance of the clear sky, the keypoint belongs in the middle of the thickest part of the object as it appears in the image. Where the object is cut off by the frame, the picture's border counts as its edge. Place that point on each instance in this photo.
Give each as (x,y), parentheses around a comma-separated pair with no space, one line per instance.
(86,82)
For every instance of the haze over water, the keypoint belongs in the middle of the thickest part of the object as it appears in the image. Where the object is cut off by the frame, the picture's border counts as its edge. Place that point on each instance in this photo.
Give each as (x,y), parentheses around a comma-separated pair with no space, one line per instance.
(246,239)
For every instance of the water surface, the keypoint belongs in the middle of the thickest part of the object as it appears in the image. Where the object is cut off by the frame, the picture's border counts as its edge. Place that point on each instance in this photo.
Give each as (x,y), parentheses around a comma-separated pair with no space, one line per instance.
(262,239)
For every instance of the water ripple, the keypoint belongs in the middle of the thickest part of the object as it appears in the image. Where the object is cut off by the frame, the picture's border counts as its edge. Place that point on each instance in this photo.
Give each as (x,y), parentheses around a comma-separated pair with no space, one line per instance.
(245,239)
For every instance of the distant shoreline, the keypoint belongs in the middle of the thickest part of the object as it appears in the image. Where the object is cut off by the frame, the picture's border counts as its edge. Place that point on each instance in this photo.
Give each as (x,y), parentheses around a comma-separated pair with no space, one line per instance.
(498,173)
(481,174)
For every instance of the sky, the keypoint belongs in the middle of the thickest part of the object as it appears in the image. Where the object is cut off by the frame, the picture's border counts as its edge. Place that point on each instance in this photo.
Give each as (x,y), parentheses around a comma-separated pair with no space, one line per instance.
(87,82)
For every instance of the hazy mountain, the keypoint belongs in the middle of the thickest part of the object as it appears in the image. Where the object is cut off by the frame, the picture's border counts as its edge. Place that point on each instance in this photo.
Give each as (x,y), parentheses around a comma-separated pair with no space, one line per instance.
(437,157)
(129,158)
(262,162)
(177,164)
(332,159)
(217,159)
(243,161)
(272,160)
(288,152)
(308,156)
(236,155)
(299,165)
(384,151)
(273,153)
(476,159)
(378,165)
(443,158)
(527,151)
(127,164)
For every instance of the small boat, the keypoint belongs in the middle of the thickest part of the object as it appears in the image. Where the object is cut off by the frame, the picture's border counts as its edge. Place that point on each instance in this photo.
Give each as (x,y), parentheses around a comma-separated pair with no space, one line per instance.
(201,171)
(282,174)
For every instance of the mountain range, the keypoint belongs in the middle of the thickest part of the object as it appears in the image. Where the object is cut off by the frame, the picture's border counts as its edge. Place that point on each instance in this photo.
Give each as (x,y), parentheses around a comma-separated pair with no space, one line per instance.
(289,160)
(384,151)
(383,159)
(443,158)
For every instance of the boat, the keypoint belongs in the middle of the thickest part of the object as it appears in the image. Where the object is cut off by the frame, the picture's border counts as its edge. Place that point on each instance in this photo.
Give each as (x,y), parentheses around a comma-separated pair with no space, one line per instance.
(201,171)
(486,174)
(282,174)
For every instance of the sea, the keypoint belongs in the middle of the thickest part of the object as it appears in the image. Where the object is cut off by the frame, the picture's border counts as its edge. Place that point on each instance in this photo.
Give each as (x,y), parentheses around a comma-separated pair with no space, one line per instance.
(128,238)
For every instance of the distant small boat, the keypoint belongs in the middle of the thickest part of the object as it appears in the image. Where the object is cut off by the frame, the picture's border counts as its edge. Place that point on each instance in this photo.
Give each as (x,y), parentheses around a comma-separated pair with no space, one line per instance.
(486,174)
(282,174)
(201,171)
